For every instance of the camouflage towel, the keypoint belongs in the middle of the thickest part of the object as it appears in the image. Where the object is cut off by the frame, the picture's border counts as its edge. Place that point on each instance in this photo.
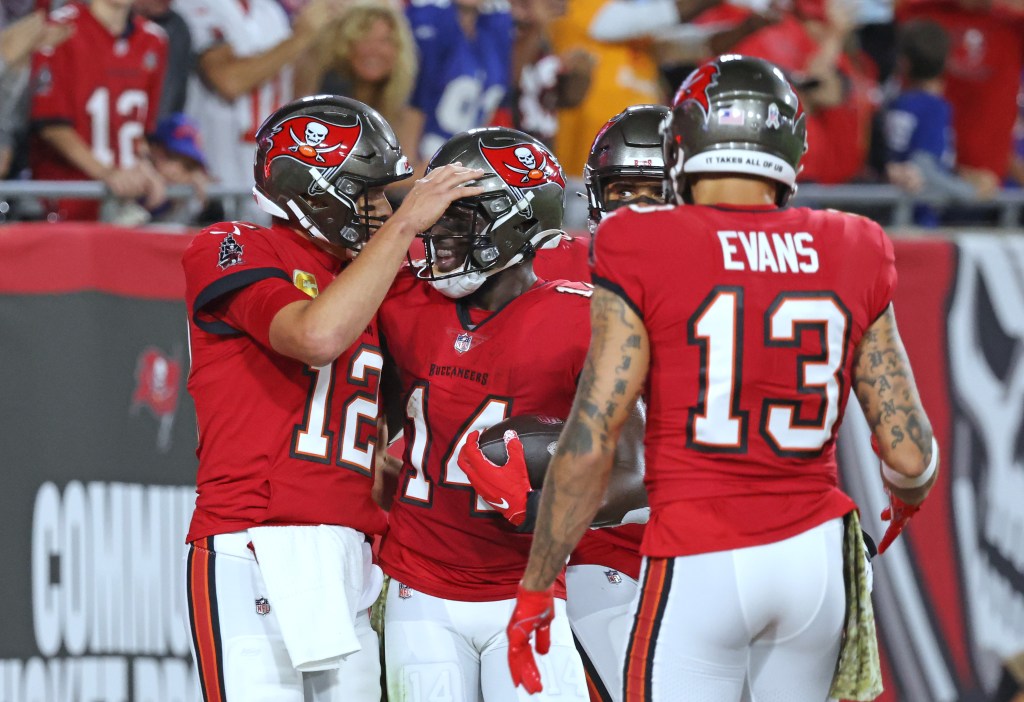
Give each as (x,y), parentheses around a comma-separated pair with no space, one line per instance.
(858,673)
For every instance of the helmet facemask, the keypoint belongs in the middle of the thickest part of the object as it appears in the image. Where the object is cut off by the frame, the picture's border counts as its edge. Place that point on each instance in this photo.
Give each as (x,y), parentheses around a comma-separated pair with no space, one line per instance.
(627,147)
(478,237)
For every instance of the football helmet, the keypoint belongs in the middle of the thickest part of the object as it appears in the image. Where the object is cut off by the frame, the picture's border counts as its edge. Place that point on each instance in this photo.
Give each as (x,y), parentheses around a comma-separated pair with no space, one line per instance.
(629,145)
(519,211)
(734,114)
(317,158)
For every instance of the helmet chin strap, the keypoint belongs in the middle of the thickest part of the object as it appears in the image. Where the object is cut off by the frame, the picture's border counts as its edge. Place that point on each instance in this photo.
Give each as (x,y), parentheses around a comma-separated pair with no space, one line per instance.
(460,285)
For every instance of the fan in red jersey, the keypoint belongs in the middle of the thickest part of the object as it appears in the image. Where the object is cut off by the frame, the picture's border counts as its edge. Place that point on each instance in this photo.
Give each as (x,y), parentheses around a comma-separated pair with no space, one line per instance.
(745,349)
(285,363)
(95,97)
(475,338)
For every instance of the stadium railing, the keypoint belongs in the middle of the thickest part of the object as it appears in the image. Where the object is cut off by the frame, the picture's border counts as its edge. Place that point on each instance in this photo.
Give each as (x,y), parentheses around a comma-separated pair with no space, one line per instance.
(888,204)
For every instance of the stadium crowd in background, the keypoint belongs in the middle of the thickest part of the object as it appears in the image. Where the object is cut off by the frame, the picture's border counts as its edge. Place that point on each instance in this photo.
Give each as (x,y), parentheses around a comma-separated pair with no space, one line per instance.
(554,69)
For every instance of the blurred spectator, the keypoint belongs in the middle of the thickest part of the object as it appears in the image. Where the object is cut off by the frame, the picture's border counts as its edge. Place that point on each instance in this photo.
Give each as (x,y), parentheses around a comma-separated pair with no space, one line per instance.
(809,44)
(544,82)
(369,54)
(876,34)
(919,123)
(984,68)
(465,55)
(179,53)
(19,37)
(244,71)
(1016,173)
(178,156)
(94,98)
(624,74)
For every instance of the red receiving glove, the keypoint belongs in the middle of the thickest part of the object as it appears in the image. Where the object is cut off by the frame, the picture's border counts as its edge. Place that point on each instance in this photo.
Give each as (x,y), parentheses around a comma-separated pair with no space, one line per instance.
(503,487)
(898,513)
(533,613)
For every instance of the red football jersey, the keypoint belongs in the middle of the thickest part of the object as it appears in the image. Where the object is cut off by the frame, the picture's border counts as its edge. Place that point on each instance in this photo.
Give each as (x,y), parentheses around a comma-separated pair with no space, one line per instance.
(617,548)
(753,316)
(280,442)
(107,87)
(461,370)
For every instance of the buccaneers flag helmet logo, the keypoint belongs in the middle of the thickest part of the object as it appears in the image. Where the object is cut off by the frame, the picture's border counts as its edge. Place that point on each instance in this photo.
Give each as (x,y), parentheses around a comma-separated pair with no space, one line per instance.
(313,141)
(523,165)
(696,87)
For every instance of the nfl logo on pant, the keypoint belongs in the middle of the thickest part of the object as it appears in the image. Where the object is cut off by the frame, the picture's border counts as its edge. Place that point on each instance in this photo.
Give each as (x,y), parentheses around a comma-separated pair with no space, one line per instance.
(404,591)
(613,576)
(262,606)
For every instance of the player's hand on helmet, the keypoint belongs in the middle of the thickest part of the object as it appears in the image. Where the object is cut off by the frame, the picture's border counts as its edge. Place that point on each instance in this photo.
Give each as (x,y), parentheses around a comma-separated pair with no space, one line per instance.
(431,195)
(503,487)
(533,614)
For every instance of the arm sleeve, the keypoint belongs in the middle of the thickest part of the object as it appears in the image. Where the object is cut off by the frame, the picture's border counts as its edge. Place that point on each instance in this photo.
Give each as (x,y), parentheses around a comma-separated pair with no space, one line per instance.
(203,22)
(156,86)
(885,281)
(612,262)
(254,307)
(623,20)
(53,86)
(430,33)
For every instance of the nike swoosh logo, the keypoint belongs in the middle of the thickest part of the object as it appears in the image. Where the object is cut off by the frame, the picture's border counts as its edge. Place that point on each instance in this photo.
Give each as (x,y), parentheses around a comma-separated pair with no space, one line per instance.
(501,505)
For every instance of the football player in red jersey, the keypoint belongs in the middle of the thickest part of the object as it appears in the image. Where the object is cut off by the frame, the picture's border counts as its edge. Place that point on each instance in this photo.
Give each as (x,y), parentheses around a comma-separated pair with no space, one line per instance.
(285,361)
(94,98)
(475,337)
(625,167)
(745,349)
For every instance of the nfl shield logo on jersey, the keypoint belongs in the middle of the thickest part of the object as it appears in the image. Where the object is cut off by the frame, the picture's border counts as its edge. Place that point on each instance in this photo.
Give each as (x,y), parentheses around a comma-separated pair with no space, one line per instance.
(614,577)
(462,342)
(262,606)
(404,591)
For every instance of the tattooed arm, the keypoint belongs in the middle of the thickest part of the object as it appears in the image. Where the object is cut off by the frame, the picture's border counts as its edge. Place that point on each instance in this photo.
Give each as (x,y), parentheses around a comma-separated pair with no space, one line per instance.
(577,478)
(884,384)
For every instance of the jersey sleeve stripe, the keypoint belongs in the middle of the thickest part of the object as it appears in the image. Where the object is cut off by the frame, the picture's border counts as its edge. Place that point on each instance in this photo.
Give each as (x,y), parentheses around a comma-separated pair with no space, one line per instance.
(617,289)
(225,285)
(40,122)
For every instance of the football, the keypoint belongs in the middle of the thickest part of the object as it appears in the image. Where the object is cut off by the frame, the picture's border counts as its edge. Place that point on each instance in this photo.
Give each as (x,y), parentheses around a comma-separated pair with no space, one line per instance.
(539,435)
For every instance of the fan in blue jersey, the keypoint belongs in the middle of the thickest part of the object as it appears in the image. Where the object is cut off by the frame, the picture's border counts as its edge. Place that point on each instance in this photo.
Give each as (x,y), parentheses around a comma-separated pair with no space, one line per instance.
(465,50)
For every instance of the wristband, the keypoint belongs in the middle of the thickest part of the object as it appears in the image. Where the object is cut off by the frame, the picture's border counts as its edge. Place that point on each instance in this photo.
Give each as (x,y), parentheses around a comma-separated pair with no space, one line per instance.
(903,482)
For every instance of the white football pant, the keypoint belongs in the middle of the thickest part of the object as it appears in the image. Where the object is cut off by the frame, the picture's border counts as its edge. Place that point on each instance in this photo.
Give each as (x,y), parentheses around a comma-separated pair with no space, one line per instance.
(600,608)
(457,651)
(242,656)
(758,624)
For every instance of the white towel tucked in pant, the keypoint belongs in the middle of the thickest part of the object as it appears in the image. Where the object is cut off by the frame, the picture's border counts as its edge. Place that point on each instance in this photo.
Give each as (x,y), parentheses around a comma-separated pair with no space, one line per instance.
(317,578)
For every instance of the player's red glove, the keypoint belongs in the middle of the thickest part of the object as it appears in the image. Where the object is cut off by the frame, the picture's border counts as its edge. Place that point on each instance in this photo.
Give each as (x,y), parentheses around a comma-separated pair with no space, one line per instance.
(533,613)
(503,487)
(898,513)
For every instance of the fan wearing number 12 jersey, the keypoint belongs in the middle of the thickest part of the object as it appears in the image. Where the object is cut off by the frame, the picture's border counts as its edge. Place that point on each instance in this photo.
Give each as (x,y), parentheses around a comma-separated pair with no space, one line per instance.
(745,324)
(475,340)
(104,87)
